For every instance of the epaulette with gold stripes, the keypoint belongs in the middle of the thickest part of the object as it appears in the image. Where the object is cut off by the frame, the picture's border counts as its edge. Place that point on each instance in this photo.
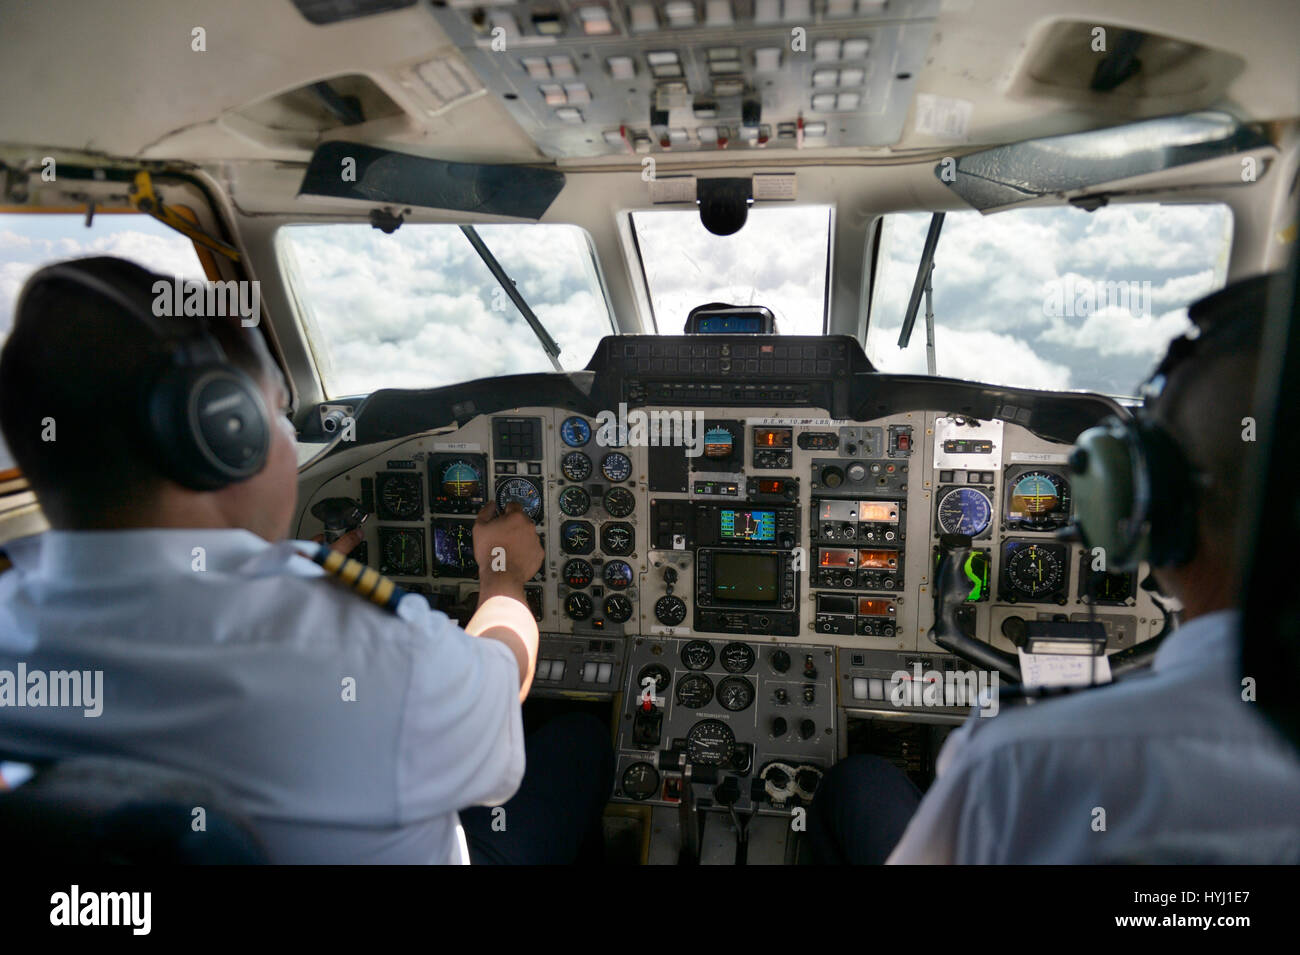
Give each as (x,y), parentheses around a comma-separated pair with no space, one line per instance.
(366,581)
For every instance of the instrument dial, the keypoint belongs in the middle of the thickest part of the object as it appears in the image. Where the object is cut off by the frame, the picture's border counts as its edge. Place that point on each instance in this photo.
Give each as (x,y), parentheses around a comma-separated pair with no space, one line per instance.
(640,781)
(670,611)
(710,743)
(577,537)
(737,657)
(618,608)
(618,539)
(1039,500)
(617,574)
(735,693)
(964,510)
(525,492)
(577,573)
(697,655)
(403,551)
(574,501)
(616,466)
(578,606)
(694,692)
(1034,571)
(575,431)
(619,502)
(575,466)
(400,497)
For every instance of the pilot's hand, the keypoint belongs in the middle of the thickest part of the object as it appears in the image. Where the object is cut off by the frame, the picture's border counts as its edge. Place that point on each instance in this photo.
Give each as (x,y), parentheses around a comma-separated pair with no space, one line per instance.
(345,544)
(521,551)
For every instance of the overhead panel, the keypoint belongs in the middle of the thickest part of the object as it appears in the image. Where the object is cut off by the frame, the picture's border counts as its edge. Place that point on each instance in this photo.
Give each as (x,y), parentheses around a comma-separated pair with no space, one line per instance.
(586,78)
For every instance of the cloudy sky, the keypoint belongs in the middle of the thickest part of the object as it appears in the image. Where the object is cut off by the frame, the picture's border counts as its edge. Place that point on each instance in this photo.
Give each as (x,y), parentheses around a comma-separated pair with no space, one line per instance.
(1019,296)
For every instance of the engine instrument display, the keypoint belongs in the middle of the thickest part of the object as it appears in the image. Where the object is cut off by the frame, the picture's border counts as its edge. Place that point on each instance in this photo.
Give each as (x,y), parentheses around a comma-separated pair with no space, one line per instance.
(670,610)
(578,606)
(710,743)
(619,502)
(737,657)
(640,780)
(697,655)
(735,693)
(694,692)
(577,537)
(617,574)
(964,510)
(577,573)
(616,466)
(574,501)
(618,608)
(575,466)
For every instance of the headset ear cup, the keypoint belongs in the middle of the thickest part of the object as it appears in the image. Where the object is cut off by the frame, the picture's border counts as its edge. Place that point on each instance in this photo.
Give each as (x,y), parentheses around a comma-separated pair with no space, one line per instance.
(1104,491)
(208,426)
(1172,505)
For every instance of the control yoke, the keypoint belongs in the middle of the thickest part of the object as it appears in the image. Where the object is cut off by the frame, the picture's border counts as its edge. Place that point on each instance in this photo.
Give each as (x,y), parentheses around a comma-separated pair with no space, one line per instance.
(950,592)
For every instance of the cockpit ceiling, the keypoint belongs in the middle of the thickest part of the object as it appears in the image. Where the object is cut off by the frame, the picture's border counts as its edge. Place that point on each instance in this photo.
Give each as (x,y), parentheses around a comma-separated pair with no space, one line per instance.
(599,81)
(585,78)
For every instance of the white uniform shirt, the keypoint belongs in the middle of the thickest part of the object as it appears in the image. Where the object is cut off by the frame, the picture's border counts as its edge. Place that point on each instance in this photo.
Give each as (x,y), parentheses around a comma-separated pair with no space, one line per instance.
(1174,758)
(239,672)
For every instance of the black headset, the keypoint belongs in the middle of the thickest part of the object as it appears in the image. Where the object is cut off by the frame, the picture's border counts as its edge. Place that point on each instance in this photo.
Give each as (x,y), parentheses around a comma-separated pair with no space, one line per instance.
(1136,493)
(203,418)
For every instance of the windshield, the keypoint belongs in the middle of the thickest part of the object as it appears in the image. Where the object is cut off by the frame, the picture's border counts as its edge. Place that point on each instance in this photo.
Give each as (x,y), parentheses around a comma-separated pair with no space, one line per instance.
(1049,298)
(414,309)
(778,260)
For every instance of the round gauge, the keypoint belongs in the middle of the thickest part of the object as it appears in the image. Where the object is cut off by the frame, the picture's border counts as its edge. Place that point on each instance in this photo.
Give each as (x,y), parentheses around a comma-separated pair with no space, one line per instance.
(618,608)
(670,611)
(577,537)
(453,549)
(617,575)
(399,496)
(578,606)
(575,466)
(460,481)
(660,673)
(522,490)
(574,501)
(404,552)
(694,692)
(575,432)
(1034,571)
(640,780)
(1039,500)
(619,502)
(710,743)
(616,466)
(697,655)
(577,573)
(617,539)
(735,693)
(737,657)
(964,510)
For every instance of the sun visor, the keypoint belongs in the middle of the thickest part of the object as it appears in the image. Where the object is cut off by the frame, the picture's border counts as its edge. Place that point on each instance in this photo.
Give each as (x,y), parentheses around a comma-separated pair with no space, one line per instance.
(344,170)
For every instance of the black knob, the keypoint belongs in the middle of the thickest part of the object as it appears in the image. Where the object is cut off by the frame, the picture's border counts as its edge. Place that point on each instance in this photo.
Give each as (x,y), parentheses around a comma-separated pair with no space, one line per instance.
(832,476)
(1014,629)
(780,661)
(670,575)
(807,729)
(779,727)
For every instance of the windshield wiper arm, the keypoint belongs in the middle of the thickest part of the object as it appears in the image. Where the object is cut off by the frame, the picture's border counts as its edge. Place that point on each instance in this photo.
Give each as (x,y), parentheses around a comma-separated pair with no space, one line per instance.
(548,343)
(922,279)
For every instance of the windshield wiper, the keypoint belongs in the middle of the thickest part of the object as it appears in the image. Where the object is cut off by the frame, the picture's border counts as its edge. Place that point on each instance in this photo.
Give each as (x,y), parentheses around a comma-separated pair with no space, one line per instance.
(924,269)
(548,343)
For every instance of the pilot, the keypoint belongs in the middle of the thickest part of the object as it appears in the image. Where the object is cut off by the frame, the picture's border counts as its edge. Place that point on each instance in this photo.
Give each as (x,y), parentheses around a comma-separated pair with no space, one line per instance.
(1174,765)
(350,722)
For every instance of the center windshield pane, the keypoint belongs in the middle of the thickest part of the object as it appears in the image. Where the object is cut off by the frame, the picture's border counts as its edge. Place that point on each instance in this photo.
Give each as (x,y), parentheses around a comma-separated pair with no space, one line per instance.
(778,259)
(1056,298)
(420,309)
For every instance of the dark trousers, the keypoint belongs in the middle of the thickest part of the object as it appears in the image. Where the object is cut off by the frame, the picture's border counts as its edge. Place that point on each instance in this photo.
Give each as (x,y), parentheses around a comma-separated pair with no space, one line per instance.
(554,818)
(860,811)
